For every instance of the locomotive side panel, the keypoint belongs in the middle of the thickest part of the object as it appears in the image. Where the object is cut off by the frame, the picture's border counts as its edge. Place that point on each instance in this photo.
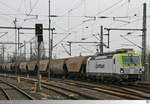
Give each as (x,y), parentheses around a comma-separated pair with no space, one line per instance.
(100,65)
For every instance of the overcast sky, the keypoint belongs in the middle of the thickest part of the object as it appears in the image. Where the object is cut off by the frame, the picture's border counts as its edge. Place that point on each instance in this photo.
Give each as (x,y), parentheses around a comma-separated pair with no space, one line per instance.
(75,17)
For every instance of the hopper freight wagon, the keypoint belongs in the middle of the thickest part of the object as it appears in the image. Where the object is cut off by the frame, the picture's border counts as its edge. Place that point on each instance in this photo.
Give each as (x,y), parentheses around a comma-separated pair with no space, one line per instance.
(22,67)
(8,68)
(58,68)
(4,67)
(43,66)
(32,67)
(13,67)
(76,66)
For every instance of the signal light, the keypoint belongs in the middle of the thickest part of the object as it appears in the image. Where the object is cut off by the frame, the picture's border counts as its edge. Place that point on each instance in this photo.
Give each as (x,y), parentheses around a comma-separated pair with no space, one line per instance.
(39,32)
(38,29)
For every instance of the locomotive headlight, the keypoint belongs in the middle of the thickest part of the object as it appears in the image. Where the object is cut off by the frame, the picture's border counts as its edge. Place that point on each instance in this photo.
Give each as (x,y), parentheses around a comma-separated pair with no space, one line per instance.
(121,70)
(140,70)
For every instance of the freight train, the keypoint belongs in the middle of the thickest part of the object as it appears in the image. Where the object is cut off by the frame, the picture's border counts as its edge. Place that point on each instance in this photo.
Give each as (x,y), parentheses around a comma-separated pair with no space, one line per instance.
(120,65)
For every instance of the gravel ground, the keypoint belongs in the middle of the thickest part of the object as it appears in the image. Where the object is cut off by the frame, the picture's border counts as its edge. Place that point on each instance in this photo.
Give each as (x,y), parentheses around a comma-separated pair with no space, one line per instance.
(26,86)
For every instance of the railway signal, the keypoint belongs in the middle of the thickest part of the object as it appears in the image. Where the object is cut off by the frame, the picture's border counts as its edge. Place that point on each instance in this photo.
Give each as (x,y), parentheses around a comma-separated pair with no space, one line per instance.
(39,32)
(38,28)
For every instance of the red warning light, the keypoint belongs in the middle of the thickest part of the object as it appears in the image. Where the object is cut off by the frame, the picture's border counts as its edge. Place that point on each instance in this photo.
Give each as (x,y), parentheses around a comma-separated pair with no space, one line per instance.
(41,28)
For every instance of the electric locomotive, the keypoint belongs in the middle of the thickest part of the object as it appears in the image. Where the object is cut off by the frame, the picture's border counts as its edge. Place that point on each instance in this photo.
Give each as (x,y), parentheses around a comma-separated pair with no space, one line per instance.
(121,65)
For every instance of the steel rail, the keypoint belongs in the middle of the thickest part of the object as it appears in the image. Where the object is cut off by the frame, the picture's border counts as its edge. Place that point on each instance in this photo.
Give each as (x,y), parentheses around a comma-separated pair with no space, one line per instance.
(5,93)
(20,90)
(100,89)
(55,89)
(115,92)
(60,91)
(60,87)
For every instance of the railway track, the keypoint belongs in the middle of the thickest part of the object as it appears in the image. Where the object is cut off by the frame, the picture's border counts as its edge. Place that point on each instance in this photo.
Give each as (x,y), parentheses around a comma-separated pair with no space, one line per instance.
(72,92)
(60,91)
(67,93)
(142,88)
(119,91)
(11,92)
(83,90)
(128,92)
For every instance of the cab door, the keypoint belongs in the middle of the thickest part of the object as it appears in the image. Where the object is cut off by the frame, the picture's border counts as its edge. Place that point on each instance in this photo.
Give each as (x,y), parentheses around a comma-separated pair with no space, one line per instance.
(114,65)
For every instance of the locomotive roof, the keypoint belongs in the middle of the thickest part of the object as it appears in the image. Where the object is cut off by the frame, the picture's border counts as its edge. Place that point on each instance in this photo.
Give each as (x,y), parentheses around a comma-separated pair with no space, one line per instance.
(118,51)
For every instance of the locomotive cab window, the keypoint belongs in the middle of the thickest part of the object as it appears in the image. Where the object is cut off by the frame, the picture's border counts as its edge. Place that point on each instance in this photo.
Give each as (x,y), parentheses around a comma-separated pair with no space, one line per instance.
(131,59)
(135,60)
